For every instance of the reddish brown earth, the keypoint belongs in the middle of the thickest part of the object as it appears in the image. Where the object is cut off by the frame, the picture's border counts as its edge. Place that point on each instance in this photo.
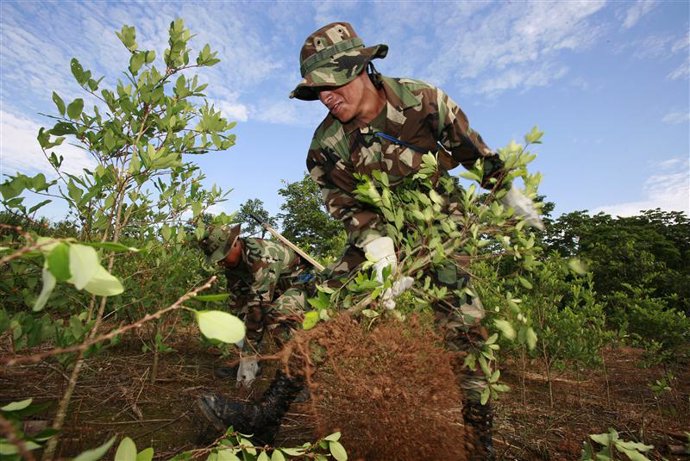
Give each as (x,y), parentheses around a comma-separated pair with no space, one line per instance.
(389,390)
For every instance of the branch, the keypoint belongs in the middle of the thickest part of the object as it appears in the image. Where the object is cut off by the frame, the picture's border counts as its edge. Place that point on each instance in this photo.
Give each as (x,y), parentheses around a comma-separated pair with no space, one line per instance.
(85,345)
(8,431)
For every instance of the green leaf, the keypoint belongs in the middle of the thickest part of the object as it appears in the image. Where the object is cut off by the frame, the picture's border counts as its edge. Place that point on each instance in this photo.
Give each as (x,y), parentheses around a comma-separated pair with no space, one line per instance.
(112,246)
(577,266)
(531,338)
(58,262)
(74,109)
(150,56)
(227,455)
(83,264)
(96,453)
(500,387)
(145,455)
(601,439)
(248,445)
(126,451)
(338,451)
(634,446)
(48,286)
(7,448)
(77,70)
(534,136)
(16,406)
(47,244)
(263,456)
(127,36)
(370,313)
(506,328)
(277,456)
(311,318)
(334,437)
(102,283)
(59,103)
(136,61)
(486,393)
(293,451)
(525,283)
(39,205)
(220,325)
(632,454)
(470,175)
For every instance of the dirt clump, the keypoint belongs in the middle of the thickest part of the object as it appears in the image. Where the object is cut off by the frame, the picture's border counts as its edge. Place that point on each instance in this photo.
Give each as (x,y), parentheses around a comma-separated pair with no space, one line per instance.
(390,390)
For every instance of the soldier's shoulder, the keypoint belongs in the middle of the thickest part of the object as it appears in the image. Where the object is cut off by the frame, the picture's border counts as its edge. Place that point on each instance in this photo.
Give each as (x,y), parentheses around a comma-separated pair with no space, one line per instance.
(327,129)
(254,244)
(410,84)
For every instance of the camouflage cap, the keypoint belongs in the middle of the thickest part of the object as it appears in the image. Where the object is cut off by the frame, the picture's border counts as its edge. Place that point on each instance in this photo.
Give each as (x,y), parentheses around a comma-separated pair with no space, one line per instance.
(333,56)
(218,241)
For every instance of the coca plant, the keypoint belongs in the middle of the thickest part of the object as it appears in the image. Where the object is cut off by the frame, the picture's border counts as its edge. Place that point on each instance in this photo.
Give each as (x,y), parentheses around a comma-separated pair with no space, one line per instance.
(144,187)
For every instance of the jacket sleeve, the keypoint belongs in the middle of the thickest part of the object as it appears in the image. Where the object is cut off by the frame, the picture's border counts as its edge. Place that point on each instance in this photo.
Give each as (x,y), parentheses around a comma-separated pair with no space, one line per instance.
(337,184)
(464,144)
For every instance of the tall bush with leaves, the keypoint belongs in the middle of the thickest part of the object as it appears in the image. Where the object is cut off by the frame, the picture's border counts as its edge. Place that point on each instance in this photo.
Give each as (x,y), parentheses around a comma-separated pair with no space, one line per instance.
(142,187)
(306,222)
(567,318)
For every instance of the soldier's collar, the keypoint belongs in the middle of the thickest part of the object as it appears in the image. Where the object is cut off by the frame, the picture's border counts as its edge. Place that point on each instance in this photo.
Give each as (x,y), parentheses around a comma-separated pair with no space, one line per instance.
(397,96)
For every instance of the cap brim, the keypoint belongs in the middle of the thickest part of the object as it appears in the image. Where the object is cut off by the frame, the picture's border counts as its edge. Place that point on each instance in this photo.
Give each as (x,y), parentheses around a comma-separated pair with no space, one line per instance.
(222,253)
(214,257)
(341,69)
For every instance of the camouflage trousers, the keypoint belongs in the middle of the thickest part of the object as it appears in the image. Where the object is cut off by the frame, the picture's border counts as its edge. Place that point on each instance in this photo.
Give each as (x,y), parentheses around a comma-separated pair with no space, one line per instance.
(462,332)
(279,318)
(457,320)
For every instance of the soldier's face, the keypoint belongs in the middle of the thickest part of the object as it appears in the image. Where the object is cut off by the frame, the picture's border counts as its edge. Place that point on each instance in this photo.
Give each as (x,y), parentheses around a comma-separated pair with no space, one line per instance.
(234,255)
(348,101)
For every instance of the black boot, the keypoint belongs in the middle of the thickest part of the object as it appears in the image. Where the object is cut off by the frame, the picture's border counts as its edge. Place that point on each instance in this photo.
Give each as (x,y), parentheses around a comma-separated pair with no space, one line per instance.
(478,420)
(262,419)
(226,372)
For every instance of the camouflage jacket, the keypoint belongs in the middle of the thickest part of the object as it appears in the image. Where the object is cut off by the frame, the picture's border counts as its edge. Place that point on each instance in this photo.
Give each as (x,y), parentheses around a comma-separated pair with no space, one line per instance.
(266,270)
(416,113)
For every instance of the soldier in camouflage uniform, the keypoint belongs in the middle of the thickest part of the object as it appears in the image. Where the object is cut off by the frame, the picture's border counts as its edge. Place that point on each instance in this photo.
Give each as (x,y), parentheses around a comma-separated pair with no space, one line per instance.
(269,284)
(387,124)
(264,280)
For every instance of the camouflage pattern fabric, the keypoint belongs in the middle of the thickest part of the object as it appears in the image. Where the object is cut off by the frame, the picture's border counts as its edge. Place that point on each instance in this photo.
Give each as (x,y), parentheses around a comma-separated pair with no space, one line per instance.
(425,118)
(264,288)
(416,113)
(332,56)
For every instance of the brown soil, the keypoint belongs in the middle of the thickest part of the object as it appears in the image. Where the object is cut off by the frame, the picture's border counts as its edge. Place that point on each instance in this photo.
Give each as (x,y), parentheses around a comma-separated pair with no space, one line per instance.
(389,390)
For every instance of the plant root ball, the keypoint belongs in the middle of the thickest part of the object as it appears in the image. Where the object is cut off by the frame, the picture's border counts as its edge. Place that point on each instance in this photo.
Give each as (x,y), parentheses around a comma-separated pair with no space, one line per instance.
(390,390)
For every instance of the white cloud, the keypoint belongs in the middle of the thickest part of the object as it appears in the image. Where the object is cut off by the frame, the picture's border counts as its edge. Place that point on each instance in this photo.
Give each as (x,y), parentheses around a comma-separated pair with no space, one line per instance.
(676,118)
(290,112)
(668,190)
(518,41)
(234,112)
(682,71)
(636,11)
(20,151)
(524,78)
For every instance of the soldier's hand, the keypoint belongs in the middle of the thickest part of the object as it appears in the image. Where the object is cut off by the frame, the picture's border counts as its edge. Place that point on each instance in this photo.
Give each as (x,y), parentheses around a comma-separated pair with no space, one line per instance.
(399,287)
(381,251)
(523,207)
(247,371)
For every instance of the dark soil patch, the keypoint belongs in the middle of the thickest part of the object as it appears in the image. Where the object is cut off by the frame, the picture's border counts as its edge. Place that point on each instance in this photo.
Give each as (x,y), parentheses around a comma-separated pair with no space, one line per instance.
(390,391)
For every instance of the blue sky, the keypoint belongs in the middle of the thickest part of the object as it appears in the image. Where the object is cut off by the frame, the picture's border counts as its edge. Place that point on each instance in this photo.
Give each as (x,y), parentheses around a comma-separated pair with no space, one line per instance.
(608,82)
